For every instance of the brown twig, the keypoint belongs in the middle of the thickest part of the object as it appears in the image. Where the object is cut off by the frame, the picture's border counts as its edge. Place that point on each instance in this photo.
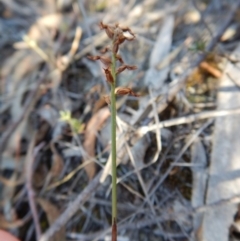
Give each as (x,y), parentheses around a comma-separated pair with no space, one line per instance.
(188,119)
(30,191)
(210,69)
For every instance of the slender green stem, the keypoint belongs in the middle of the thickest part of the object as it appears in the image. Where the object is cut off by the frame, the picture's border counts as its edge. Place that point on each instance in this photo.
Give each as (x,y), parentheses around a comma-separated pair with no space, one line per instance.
(113,146)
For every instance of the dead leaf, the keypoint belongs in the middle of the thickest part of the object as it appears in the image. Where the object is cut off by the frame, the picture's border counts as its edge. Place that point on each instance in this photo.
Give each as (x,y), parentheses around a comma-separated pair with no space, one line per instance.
(93,126)
(52,213)
(57,162)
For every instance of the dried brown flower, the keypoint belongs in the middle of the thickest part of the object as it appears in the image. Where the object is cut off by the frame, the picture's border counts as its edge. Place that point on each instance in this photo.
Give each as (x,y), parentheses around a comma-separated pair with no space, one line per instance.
(104,59)
(125,91)
(108,29)
(108,76)
(123,67)
(116,33)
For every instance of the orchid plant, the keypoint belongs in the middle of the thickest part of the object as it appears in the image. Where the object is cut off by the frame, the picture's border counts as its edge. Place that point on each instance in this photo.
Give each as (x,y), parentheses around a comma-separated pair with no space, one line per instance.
(114,65)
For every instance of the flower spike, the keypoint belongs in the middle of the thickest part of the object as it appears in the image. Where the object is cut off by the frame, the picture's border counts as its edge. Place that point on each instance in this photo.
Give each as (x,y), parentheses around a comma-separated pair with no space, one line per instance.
(117,35)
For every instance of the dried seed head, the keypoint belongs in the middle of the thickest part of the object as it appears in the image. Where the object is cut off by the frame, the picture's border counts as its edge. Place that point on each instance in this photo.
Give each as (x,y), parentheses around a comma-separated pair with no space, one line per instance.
(108,29)
(119,37)
(107,99)
(123,67)
(125,91)
(104,59)
(116,32)
(109,76)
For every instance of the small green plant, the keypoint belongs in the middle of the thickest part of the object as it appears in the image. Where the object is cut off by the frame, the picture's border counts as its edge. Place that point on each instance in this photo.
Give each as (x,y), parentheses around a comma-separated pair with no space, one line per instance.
(75,124)
(116,34)
(199,45)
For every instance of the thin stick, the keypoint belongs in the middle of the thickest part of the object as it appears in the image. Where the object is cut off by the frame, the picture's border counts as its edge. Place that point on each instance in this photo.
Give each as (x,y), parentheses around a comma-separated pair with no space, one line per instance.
(158,130)
(30,192)
(189,119)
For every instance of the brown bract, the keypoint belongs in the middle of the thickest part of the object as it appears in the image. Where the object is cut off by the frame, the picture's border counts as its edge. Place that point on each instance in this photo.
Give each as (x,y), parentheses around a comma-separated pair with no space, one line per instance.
(104,59)
(123,67)
(125,91)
